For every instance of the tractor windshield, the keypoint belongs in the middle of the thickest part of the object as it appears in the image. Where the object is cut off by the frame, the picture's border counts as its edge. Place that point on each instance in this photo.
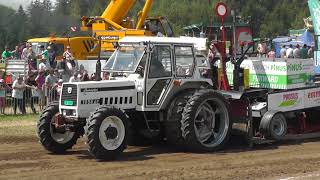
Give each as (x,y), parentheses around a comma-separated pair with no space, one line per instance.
(125,59)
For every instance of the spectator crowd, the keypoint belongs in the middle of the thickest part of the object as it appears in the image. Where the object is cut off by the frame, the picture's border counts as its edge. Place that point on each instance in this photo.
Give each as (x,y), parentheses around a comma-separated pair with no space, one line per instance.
(291,51)
(43,81)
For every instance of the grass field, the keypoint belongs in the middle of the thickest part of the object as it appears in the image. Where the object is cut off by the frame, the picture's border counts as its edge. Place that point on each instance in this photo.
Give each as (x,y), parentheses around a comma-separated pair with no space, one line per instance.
(20,125)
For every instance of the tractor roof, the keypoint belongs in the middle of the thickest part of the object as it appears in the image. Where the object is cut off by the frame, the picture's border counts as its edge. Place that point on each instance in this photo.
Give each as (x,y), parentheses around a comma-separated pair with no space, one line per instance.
(155,40)
(199,43)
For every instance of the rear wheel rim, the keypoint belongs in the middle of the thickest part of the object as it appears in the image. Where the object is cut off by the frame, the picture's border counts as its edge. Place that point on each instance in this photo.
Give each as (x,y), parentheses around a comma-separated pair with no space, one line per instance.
(111,133)
(278,126)
(61,138)
(211,123)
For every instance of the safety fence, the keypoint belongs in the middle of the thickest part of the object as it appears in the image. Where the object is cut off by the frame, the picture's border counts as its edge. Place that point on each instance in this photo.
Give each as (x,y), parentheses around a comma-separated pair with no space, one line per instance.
(33,100)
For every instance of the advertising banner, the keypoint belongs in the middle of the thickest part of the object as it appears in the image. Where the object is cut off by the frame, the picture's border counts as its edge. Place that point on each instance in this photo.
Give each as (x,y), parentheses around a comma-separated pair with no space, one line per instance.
(279,74)
(293,100)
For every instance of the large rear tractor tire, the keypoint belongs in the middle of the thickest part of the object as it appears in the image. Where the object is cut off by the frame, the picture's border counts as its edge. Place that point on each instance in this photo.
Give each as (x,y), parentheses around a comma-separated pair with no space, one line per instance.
(173,132)
(206,125)
(51,140)
(107,133)
(273,125)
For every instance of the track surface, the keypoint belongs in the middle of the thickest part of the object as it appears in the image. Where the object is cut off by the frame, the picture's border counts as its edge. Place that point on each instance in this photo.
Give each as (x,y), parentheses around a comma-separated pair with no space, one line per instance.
(24,158)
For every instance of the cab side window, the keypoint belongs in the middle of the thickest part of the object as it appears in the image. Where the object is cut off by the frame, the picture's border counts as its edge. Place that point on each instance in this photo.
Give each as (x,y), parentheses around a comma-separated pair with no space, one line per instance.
(184,61)
(160,63)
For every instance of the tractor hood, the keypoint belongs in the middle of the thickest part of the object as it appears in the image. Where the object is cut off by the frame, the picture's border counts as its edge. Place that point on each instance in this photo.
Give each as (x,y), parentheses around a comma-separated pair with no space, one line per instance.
(85,97)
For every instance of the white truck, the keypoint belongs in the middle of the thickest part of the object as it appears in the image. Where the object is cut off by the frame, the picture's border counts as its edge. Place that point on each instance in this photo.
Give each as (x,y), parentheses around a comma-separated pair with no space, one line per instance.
(160,88)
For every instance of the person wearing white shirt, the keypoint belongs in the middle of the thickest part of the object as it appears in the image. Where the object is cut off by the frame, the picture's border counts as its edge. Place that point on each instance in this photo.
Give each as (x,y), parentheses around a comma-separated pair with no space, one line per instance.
(17,95)
(25,52)
(296,52)
(42,65)
(283,52)
(74,78)
(289,52)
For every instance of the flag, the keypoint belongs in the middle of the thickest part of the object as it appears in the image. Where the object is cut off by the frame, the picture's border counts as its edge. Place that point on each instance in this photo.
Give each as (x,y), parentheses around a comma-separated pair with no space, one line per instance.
(73,28)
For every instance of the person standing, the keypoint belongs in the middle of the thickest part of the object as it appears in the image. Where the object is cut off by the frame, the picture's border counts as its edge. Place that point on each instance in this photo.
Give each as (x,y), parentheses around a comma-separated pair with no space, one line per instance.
(25,51)
(32,84)
(44,55)
(74,78)
(15,53)
(42,65)
(59,87)
(52,57)
(68,54)
(6,55)
(85,77)
(63,70)
(262,49)
(272,54)
(17,95)
(304,52)
(50,81)
(289,52)
(311,52)
(296,52)
(283,51)
(3,88)
(31,58)
(40,79)
(72,65)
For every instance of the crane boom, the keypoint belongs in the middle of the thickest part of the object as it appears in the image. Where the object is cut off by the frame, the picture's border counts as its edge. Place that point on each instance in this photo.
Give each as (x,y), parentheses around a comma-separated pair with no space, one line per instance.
(113,24)
(143,14)
(117,10)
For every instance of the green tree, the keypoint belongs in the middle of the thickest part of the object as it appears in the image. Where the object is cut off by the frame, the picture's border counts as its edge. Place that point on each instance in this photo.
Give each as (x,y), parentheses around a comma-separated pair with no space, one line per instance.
(19,26)
(6,17)
(62,7)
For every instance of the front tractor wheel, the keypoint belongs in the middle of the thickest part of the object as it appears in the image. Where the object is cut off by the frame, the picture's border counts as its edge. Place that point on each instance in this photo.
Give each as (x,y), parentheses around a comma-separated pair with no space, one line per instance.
(53,139)
(107,133)
(205,122)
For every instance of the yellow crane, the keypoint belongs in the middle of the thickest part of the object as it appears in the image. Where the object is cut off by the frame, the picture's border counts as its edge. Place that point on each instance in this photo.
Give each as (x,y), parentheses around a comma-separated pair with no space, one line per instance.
(111,26)
(114,24)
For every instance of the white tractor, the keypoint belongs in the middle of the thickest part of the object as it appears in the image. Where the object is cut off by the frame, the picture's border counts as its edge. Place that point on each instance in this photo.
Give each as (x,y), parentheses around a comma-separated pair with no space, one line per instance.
(150,82)
(161,89)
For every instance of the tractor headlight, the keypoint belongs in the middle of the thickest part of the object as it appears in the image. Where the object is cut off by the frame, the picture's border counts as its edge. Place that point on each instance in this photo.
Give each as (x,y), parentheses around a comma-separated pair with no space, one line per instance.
(64,112)
(69,112)
(74,113)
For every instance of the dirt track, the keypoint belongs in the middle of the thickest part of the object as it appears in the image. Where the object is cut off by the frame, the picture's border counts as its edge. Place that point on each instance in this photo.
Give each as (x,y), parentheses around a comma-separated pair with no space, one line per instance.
(24,158)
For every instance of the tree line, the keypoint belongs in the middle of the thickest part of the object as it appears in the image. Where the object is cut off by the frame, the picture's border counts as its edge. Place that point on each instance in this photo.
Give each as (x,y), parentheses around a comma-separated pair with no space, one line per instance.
(41,18)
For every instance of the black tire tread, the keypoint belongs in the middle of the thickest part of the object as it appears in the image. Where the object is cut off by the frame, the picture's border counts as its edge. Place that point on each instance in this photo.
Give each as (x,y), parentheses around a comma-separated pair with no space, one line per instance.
(43,131)
(187,130)
(265,123)
(173,132)
(92,133)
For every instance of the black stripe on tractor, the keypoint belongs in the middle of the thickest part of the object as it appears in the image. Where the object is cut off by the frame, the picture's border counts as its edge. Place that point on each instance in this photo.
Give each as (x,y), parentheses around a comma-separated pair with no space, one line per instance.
(107,89)
(86,46)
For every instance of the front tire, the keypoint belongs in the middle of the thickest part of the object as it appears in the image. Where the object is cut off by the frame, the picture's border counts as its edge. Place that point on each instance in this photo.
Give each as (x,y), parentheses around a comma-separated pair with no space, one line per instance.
(107,133)
(51,140)
(205,122)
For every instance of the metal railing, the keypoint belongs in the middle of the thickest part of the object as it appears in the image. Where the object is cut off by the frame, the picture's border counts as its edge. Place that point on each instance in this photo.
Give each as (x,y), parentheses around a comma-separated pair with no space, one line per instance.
(33,101)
